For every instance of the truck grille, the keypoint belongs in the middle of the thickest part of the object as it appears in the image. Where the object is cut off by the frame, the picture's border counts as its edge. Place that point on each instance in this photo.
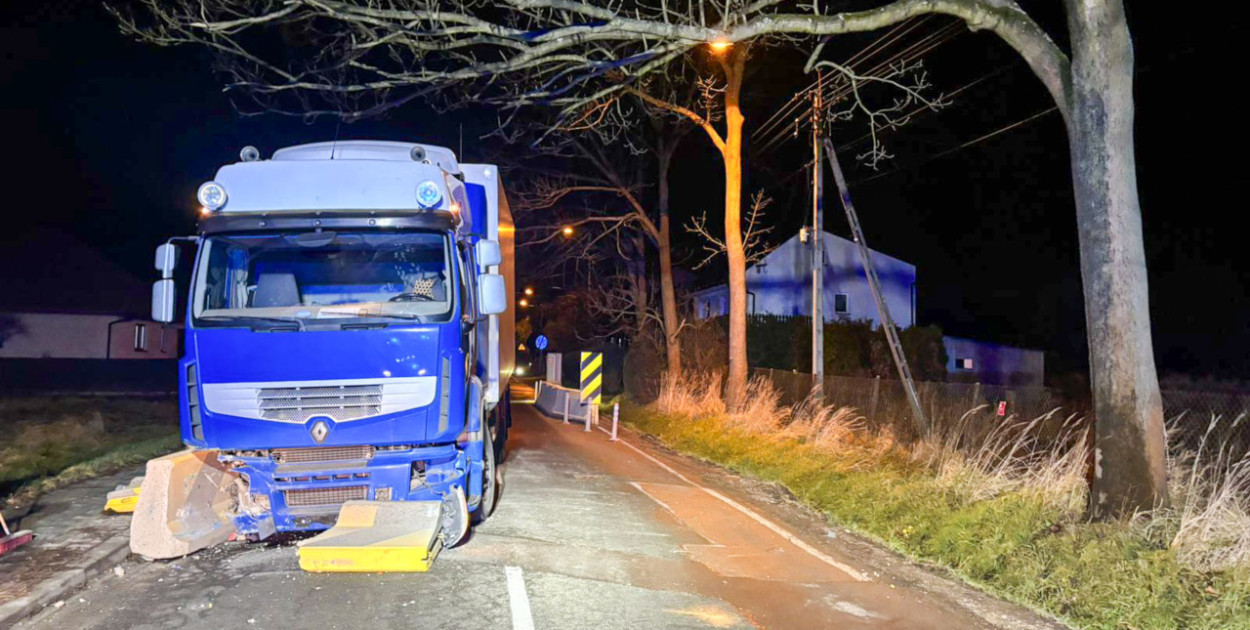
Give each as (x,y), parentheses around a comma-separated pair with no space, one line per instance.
(322,454)
(296,404)
(318,497)
(339,400)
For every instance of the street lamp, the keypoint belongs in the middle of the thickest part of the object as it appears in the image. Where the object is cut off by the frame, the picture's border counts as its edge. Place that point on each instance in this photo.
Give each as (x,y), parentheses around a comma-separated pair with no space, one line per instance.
(529,291)
(524,302)
(720,45)
(567,231)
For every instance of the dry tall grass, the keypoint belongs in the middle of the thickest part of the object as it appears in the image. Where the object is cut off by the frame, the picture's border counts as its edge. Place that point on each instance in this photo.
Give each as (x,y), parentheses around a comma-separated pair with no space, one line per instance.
(1046,457)
(1211,499)
(1012,455)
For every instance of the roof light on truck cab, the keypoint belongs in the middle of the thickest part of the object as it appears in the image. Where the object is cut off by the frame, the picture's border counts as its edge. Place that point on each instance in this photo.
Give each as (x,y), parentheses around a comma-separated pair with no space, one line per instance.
(428,194)
(211,195)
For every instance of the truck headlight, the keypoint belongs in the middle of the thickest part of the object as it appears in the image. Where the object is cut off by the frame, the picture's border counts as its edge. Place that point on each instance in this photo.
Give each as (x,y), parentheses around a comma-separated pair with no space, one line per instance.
(428,194)
(211,195)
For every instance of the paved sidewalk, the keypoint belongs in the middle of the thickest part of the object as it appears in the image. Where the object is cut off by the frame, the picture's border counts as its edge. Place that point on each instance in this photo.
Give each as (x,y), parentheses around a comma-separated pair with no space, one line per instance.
(73,542)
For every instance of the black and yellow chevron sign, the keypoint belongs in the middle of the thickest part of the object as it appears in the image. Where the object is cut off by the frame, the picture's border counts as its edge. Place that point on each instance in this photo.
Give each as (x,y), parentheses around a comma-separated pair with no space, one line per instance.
(592,377)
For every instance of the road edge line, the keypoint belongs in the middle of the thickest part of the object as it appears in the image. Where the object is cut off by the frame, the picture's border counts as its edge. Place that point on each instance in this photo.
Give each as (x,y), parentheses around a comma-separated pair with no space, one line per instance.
(854,573)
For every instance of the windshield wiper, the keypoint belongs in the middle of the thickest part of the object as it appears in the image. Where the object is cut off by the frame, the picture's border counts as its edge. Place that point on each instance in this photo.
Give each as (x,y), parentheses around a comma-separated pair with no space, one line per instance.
(380,321)
(257,323)
(420,319)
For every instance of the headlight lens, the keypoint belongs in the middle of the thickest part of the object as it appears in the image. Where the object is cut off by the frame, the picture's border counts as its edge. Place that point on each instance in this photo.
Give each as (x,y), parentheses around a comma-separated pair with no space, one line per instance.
(211,195)
(428,194)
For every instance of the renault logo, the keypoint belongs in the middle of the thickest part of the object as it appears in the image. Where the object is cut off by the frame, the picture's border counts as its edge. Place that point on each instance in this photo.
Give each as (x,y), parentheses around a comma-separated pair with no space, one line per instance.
(319,431)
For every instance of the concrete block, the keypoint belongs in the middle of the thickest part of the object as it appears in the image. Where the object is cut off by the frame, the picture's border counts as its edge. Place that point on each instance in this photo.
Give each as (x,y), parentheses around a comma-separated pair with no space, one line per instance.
(183,505)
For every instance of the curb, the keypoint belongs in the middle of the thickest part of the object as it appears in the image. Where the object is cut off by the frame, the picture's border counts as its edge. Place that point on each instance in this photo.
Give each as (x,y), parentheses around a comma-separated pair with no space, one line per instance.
(95,561)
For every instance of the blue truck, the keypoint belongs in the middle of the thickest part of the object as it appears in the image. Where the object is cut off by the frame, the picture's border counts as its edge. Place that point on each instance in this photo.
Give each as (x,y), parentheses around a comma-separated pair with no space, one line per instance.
(349,340)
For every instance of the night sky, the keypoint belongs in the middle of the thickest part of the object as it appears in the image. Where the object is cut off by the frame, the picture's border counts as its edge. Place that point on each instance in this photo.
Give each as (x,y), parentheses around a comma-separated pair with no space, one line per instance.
(109,138)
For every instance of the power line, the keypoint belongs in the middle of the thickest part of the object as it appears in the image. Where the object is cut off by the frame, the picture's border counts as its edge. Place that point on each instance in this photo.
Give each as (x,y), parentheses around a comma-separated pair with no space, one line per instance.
(921,109)
(838,90)
(801,94)
(965,145)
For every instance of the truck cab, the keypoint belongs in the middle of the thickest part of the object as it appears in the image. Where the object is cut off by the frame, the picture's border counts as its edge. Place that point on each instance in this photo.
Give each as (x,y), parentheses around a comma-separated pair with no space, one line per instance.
(348,330)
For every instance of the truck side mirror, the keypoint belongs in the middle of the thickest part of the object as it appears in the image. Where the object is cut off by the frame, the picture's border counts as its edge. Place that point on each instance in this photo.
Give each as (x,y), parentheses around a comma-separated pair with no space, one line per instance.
(163,296)
(167,259)
(492,294)
(488,253)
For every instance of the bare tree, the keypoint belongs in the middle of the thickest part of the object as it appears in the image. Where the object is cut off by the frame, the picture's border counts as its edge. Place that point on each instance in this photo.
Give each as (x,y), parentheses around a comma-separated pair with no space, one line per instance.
(596,147)
(753,233)
(568,53)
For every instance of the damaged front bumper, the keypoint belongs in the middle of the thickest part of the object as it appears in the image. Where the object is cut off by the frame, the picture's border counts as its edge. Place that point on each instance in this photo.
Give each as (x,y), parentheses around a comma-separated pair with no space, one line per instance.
(302,489)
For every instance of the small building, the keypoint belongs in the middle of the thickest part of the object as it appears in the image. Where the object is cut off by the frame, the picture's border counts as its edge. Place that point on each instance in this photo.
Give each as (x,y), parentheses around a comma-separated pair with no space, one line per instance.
(63,300)
(993,364)
(781,284)
(72,320)
(41,334)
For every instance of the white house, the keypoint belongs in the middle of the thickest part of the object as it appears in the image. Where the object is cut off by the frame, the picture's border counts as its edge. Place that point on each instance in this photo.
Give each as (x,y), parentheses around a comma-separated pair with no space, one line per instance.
(781,284)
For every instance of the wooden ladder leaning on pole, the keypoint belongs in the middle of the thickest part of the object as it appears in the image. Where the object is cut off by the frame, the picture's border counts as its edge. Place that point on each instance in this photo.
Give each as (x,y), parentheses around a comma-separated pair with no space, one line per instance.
(887,322)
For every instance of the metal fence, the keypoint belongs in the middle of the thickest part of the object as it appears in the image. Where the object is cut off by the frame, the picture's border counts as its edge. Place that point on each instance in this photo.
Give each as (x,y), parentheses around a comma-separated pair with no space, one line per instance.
(1223,418)
(883,402)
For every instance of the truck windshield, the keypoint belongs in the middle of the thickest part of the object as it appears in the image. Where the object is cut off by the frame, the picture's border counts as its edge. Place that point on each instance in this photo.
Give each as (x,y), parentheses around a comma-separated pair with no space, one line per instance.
(288,279)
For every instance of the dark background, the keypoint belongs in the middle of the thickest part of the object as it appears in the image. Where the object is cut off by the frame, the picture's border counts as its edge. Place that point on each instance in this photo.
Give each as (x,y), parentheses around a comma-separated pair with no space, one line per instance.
(107,140)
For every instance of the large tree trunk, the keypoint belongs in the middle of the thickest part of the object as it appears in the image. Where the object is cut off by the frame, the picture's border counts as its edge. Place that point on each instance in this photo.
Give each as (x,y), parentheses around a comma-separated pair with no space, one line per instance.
(1130,455)
(668,296)
(736,380)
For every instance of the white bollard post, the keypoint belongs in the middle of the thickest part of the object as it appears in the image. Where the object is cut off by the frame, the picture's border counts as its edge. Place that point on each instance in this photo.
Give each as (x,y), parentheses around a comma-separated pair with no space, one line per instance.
(591,408)
(566,407)
(616,416)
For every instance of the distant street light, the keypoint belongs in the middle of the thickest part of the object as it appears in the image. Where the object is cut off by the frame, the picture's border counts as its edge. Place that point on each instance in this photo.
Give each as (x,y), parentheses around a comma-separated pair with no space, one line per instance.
(568,230)
(720,45)
(529,291)
(524,302)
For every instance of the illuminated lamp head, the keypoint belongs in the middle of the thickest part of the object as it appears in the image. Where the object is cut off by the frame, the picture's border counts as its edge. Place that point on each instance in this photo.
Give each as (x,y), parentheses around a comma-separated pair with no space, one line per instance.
(211,195)
(428,194)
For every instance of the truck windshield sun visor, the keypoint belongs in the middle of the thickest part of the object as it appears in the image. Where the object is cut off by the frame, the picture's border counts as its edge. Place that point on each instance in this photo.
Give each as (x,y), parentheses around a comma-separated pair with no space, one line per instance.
(313,280)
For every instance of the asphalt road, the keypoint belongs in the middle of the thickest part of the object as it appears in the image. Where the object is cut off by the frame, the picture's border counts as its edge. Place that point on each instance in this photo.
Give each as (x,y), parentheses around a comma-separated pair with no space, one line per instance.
(588,534)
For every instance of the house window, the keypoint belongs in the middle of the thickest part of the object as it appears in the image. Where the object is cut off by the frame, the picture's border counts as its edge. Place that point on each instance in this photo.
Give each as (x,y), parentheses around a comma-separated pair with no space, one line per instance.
(840,304)
(963,364)
(141,337)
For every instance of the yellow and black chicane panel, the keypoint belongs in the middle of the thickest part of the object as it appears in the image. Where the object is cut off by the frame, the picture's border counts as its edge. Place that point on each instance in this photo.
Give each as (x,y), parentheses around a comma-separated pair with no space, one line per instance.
(376,536)
(592,377)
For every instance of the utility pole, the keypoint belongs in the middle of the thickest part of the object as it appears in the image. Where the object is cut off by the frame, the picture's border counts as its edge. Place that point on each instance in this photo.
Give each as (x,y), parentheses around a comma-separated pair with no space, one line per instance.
(818,253)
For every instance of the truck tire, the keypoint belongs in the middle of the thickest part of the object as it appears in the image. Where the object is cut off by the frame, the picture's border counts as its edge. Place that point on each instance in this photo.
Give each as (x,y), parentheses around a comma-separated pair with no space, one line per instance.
(490,478)
(503,427)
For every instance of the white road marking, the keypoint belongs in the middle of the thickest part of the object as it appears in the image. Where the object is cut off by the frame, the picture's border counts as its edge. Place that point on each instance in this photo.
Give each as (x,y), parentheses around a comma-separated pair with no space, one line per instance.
(852,609)
(522,618)
(795,540)
(664,505)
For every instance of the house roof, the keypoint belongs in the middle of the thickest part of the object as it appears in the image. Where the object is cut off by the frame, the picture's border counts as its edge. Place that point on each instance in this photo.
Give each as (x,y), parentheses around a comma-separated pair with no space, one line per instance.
(45,270)
(876,255)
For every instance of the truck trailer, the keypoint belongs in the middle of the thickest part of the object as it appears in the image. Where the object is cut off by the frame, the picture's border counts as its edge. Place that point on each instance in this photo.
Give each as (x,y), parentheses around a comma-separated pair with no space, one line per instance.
(348,347)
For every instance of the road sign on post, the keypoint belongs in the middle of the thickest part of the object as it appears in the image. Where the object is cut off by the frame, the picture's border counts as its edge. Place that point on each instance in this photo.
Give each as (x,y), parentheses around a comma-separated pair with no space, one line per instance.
(592,377)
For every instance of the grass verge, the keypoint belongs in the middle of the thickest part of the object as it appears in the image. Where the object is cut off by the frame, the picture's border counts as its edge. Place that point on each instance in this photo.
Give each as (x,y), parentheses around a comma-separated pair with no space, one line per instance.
(1019,544)
(59,441)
